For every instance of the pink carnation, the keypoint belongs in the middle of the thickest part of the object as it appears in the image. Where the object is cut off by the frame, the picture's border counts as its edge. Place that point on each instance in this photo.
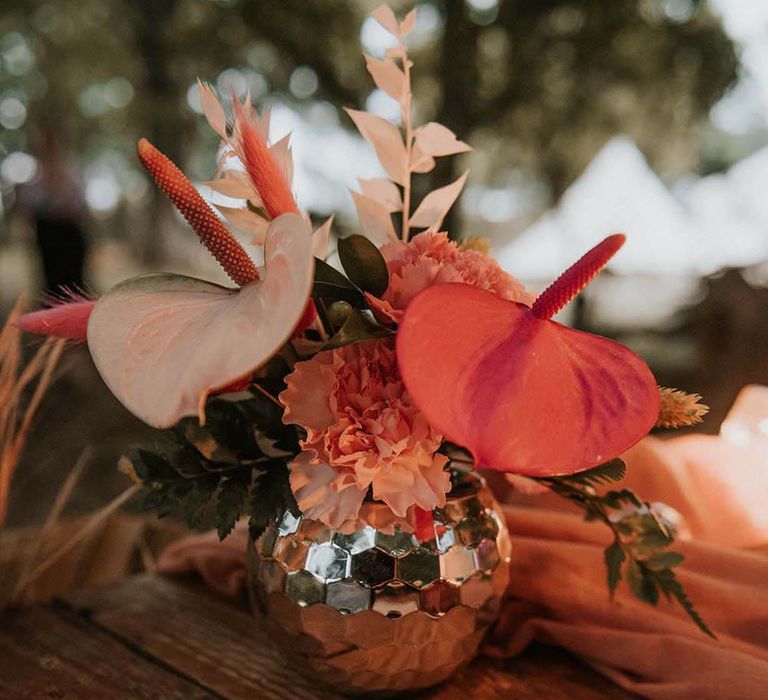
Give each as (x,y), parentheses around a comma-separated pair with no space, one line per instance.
(429,259)
(363,431)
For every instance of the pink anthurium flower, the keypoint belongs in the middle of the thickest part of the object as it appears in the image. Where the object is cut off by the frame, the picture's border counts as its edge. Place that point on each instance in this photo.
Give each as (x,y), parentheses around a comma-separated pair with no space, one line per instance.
(523,393)
(163,343)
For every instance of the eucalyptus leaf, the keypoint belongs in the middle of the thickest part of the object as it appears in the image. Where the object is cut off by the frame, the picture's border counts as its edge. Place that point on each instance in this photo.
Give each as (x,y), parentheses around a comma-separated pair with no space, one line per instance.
(364,264)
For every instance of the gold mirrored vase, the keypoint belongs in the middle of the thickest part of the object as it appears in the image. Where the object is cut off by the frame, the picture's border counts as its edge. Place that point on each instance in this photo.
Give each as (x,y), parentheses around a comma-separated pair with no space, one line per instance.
(384,610)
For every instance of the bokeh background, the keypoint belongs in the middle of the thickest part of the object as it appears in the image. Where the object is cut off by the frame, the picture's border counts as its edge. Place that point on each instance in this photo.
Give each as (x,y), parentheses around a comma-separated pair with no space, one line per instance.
(586,117)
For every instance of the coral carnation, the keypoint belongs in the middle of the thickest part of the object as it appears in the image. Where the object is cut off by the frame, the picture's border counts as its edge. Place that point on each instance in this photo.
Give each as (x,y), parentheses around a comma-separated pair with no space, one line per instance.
(429,259)
(363,431)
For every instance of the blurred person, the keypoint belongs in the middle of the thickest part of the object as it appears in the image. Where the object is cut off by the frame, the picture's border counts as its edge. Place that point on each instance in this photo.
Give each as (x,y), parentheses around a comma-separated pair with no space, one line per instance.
(54,204)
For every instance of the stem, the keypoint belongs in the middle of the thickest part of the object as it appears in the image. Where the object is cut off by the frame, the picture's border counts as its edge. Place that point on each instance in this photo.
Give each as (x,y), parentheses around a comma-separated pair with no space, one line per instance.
(590,503)
(263,391)
(322,314)
(408,125)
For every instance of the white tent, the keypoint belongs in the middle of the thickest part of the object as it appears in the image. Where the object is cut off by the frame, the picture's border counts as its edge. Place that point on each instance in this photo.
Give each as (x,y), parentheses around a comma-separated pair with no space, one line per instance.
(718,221)
(729,213)
(618,192)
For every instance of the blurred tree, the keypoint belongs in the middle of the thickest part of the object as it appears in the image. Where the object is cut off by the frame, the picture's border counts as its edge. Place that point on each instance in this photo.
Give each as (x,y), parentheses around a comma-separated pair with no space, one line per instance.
(538,85)
(548,82)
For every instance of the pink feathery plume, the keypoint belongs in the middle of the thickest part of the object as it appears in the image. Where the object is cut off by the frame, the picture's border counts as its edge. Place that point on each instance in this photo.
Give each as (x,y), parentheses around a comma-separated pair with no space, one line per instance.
(67,317)
(264,171)
(576,277)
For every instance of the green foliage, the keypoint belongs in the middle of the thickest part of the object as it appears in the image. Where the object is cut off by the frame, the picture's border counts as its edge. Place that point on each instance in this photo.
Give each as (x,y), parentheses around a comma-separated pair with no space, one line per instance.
(639,551)
(358,327)
(614,558)
(330,285)
(271,497)
(607,473)
(364,264)
(233,465)
(671,588)
(341,303)
(231,496)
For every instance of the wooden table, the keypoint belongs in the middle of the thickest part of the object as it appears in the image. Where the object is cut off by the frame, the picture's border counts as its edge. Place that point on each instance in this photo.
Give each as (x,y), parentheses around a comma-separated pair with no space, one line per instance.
(152,637)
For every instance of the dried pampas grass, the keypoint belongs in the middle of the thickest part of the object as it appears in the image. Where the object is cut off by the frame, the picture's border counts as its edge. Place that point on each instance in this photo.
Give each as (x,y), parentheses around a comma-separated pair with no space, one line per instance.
(22,388)
(37,563)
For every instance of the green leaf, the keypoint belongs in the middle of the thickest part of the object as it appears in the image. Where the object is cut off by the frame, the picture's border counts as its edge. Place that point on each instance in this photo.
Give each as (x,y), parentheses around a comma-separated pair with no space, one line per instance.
(672,587)
(271,496)
(607,473)
(641,536)
(643,586)
(357,328)
(189,499)
(614,558)
(261,211)
(160,499)
(266,417)
(615,499)
(330,284)
(155,465)
(194,504)
(663,560)
(204,440)
(229,504)
(642,531)
(364,264)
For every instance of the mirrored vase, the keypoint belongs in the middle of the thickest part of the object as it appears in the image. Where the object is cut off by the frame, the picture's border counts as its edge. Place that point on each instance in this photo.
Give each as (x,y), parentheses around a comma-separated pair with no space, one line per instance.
(382,609)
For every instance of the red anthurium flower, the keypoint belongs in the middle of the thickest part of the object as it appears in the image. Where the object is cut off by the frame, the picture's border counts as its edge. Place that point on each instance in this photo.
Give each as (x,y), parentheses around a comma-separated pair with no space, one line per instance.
(523,393)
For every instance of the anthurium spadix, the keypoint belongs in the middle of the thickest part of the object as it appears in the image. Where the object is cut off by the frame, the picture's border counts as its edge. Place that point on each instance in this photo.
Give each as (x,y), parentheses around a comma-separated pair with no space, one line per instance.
(523,393)
(162,343)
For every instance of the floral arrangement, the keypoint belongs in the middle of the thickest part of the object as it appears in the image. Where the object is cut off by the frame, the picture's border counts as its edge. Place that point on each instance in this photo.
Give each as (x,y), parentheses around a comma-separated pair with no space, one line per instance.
(316,391)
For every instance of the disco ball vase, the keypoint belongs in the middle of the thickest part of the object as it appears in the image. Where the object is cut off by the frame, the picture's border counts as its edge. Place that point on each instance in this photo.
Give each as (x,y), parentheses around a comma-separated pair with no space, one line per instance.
(384,611)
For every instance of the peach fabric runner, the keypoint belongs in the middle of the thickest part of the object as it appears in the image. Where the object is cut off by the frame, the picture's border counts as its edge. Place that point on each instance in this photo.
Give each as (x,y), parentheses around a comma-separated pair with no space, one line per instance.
(558,594)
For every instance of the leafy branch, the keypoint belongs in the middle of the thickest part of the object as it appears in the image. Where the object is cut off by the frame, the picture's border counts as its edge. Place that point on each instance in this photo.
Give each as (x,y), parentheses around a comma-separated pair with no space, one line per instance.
(401,150)
(341,300)
(406,111)
(641,538)
(233,465)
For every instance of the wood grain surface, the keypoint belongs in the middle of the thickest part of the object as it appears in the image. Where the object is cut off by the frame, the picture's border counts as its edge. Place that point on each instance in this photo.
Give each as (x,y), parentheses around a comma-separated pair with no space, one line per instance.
(152,637)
